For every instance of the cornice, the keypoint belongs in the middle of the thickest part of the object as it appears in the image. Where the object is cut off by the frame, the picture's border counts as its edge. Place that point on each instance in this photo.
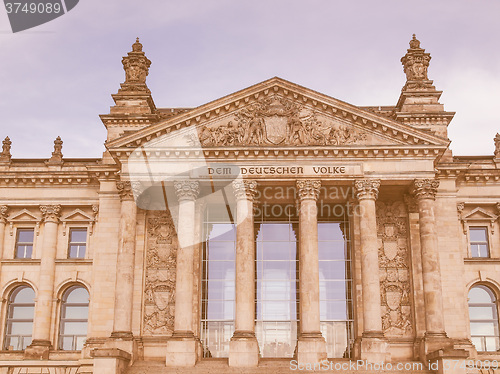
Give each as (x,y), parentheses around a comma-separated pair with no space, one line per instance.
(359,152)
(278,86)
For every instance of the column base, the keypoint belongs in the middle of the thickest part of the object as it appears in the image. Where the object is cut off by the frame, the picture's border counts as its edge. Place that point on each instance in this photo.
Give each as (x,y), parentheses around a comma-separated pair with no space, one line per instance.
(38,350)
(311,348)
(110,361)
(434,341)
(124,341)
(183,349)
(374,348)
(243,350)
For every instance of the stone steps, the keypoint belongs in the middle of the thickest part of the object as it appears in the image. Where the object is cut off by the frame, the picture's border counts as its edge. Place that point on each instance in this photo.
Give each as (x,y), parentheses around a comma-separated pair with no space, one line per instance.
(220,366)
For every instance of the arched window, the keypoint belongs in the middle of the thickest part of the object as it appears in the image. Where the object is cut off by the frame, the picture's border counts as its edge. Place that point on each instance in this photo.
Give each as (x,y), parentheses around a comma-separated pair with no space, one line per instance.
(74,317)
(20,314)
(483,315)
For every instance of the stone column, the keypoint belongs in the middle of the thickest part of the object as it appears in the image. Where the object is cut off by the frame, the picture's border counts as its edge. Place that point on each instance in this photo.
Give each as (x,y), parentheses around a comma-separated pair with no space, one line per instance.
(183,349)
(3,221)
(41,344)
(122,325)
(424,191)
(243,348)
(373,344)
(311,345)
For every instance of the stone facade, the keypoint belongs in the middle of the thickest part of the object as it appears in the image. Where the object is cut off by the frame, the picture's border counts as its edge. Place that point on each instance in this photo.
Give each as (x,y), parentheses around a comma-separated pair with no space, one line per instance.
(416,216)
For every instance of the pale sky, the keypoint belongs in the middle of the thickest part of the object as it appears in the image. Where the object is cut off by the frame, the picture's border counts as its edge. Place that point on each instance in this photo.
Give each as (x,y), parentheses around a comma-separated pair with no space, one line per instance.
(57,78)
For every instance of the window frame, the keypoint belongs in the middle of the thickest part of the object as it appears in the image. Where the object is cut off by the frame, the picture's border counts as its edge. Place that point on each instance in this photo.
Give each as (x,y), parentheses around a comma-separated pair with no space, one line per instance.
(63,320)
(470,243)
(493,304)
(9,320)
(17,243)
(68,249)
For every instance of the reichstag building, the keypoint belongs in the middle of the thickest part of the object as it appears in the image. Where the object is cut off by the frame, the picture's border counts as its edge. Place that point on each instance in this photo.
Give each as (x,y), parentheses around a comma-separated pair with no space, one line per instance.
(272,226)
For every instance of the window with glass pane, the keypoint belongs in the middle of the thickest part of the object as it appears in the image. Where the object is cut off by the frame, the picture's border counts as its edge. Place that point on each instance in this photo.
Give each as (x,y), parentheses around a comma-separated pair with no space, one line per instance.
(483,316)
(20,312)
(276,288)
(478,237)
(218,284)
(74,318)
(24,243)
(335,287)
(77,243)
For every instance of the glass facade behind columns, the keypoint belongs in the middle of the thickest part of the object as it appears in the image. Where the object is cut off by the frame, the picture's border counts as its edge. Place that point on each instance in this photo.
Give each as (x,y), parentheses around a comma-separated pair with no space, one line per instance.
(218,284)
(277,285)
(277,288)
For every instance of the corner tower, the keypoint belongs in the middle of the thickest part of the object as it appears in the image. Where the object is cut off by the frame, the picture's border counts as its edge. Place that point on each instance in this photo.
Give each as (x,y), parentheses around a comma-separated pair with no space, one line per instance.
(418,104)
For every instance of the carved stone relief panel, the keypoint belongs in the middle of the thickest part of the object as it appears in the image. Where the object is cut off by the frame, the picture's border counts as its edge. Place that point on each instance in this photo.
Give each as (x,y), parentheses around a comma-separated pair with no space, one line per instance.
(159,289)
(280,121)
(395,288)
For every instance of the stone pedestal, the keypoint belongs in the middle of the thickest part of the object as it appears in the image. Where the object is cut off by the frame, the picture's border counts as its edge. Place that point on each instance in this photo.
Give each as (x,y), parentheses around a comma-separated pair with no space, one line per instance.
(373,346)
(41,344)
(311,345)
(183,348)
(183,351)
(110,361)
(243,348)
(448,361)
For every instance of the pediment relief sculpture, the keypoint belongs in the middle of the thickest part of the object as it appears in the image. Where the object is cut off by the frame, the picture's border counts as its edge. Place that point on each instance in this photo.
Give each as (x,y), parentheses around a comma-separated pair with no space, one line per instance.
(279,121)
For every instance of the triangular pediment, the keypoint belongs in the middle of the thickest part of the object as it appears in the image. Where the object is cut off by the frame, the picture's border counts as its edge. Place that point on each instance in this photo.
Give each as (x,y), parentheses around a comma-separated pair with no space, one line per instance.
(278,113)
(24,215)
(480,214)
(77,215)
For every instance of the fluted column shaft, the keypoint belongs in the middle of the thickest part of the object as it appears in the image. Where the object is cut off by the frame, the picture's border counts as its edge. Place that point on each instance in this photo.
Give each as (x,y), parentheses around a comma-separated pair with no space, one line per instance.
(308,192)
(424,191)
(245,191)
(43,309)
(367,193)
(186,191)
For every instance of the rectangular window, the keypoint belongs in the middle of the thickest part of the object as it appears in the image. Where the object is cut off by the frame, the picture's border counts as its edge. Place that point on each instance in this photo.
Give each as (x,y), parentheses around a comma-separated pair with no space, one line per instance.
(77,243)
(24,243)
(478,238)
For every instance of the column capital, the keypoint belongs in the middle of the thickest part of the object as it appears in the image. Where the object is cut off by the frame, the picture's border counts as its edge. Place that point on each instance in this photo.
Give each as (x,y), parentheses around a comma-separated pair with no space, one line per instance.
(186,189)
(245,189)
(50,213)
(4,210)
(367,188)
(125,190)
(424,188)
(308,189)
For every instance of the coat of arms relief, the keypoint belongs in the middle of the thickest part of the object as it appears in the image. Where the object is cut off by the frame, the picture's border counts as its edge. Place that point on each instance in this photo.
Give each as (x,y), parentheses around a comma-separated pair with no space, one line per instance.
(279,121)
(159,289)
(395,286)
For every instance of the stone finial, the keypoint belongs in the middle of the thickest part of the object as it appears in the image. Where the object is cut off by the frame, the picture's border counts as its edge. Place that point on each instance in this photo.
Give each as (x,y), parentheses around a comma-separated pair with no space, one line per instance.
(5,156)
(497,145)
(415,64)
(57,154)
(136,66)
